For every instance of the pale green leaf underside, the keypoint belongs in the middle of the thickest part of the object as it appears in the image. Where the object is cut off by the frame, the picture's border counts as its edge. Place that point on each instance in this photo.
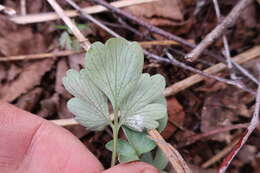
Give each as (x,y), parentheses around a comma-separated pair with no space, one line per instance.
(89,105)
(139,141)
(140,109)
(115,67)
(147,89)
(162,122)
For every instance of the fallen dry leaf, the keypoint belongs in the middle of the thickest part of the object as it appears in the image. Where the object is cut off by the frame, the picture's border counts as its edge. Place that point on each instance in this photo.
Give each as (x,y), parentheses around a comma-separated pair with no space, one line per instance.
(166,10)
(18,40)
(176,116)
(223,108)
(28,79)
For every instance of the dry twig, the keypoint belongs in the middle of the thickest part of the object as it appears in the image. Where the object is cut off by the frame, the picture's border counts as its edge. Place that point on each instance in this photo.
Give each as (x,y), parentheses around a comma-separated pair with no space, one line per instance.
(92,19)
(202,73)
(39,56)
(222,153)
(23,7)
(219,29)
(188,82)
(225,42)
(7,10)
(43,17)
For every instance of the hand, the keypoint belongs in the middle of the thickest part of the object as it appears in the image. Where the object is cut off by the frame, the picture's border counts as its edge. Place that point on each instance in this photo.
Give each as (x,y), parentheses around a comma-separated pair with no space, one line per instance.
(30,144)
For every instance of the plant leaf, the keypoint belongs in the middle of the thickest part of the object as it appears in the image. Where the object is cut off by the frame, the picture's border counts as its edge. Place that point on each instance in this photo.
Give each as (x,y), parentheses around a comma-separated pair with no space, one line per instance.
(65,41)
(139,141)
(138,110)
(162,122)
(160,160)
(125,151)
(127,158)
(115,67)
(147,157)
(90,104)
(148,89)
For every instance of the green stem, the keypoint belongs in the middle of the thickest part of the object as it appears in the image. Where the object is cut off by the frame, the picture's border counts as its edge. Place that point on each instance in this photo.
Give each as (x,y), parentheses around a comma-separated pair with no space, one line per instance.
(115,137)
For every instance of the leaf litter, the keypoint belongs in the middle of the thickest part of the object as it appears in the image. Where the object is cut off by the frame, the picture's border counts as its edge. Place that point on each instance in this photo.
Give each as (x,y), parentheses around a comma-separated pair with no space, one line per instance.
(36,85)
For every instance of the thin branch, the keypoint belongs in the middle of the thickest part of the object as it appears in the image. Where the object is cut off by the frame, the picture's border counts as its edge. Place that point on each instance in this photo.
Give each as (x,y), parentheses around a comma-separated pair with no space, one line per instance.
(227,81)
(7,10)
(144,24)
(219,29)
(253,124)
(23,7)
(40,55)
(225,42)
(190,81)
(220,154)
(230,62)
(197,137)
(83,41)
(92,19)
(43,17)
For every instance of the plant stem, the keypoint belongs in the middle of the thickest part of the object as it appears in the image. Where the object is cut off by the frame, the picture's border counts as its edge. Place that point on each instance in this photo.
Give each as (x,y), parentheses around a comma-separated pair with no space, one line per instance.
(115,137)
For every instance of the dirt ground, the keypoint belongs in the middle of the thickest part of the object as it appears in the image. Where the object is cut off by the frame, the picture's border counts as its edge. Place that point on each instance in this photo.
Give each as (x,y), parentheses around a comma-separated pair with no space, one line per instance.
(197,115)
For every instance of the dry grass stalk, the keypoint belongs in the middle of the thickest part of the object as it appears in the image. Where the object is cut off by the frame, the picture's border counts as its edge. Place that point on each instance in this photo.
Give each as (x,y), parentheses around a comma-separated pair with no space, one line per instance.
(221,154)
(43,17)
(39,56)
(188,82)
(7,10)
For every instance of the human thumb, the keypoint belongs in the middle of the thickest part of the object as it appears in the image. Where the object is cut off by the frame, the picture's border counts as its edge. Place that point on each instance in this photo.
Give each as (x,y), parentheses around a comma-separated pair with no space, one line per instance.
(132,167)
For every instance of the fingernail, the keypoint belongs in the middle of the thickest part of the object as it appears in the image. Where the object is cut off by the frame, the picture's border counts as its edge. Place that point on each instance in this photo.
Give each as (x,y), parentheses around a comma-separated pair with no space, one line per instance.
(149,170)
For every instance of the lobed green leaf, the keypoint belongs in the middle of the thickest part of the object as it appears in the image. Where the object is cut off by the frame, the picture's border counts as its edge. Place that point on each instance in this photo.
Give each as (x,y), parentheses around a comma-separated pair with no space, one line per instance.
(115,67)
(139,141)
(90,104)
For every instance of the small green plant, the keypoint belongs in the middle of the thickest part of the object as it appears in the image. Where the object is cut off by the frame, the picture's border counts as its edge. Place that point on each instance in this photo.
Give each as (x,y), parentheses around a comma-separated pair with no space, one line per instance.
(67,40)
(113,75)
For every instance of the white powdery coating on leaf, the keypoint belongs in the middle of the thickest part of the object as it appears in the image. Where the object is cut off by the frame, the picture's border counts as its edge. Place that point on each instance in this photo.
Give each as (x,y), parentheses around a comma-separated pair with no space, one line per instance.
(135,122)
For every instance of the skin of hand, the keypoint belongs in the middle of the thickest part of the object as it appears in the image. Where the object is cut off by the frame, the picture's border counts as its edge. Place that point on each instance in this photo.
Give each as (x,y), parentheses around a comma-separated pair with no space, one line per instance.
(30,144)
